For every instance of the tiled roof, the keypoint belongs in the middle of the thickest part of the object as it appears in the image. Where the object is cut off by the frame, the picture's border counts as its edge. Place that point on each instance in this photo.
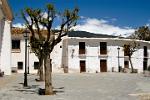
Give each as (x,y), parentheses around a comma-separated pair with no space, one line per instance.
(88,35)
(16,30)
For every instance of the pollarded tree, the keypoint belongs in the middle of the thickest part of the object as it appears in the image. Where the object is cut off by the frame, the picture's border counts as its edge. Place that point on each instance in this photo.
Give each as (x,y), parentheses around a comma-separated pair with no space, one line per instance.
(129,49)
(43,43)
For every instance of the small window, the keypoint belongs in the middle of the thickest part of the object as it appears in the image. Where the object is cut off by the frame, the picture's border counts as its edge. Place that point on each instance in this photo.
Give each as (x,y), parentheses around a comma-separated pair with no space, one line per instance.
(36,65)
(103,48)
(126,64)
(145,64)
(15,44)
(81,47)
(145,51)
(126,51)
(20,65)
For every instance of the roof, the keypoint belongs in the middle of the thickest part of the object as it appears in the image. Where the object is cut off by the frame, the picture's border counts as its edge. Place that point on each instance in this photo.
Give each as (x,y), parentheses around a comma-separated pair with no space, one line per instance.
(17,32)
(7,10)
(85,34)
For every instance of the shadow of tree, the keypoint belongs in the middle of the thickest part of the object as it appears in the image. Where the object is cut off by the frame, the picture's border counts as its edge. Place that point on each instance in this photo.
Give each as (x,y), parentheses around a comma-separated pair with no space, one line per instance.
(58,90)
(55,90)
(34,89)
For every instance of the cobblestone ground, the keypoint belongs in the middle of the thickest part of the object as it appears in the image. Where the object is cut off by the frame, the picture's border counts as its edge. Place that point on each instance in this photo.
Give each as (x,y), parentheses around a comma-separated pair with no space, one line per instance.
(100,86)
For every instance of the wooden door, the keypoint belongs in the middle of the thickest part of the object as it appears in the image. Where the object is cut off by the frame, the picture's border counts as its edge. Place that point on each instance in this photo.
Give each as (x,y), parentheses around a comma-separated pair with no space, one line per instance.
(103,65)
(82,66)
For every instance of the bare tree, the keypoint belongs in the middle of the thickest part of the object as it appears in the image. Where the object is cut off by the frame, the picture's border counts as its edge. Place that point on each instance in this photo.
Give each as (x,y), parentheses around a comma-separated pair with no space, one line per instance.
(129,49)
(42,44)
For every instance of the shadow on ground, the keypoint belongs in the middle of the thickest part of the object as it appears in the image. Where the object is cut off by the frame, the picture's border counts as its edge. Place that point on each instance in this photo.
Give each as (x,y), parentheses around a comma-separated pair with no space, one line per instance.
(34,89)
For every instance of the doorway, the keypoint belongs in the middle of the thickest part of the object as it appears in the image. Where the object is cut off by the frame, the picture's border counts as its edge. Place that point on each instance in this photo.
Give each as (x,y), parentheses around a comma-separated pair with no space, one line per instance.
(103,65)
(82,66)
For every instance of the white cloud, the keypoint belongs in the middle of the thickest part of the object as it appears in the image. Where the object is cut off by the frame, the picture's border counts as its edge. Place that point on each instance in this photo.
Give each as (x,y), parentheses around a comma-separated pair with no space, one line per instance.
(19,25)
(102,27)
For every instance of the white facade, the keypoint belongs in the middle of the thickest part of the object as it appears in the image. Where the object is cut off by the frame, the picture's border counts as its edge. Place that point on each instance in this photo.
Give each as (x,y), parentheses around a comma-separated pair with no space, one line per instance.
(5,37)
(18,55)
(66,55)
(71,57)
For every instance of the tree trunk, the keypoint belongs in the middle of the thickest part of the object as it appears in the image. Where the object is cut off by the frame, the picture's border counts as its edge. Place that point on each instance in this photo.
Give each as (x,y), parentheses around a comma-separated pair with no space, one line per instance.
(41,74)
(131,65)
(48,77)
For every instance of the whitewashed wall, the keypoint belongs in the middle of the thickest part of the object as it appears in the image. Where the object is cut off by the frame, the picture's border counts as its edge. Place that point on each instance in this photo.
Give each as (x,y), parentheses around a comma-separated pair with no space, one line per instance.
(68,55)
(20,57)
(6,49)
(92,56)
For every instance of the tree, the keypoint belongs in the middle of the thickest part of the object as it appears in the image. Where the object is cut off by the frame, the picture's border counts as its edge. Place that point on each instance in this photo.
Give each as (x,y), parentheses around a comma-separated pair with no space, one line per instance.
(142,33)
(129,49)
(43,43)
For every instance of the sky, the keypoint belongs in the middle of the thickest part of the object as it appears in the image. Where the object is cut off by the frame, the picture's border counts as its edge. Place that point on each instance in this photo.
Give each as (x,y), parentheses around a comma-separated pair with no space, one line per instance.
(112,17)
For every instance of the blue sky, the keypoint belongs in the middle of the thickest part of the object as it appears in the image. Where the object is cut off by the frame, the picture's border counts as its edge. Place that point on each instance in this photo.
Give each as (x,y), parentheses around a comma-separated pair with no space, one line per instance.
(116,15)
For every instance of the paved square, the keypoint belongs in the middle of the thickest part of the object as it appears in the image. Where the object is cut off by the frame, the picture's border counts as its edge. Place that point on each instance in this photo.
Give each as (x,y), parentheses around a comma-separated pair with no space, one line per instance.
(100,86)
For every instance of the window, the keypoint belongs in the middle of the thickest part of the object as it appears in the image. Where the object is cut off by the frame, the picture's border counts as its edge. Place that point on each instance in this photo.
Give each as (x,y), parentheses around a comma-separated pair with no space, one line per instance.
(145,51)
(20,65)
(126,50)
(145,60)
(126,64)
(103,48)
(36,65)
(15,44)
(81,47)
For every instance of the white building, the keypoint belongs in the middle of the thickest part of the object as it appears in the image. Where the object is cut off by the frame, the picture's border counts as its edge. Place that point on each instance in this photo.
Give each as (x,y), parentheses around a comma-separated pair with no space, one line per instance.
(84,52)
(18,55)
(5,37)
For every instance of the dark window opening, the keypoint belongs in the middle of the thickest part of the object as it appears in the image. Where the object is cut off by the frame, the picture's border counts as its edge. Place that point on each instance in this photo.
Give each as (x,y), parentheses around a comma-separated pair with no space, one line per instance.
(145,63)
(126,64)
(15,44)
(82,66)
(81,47)
(103,48)
(36,65)
(126,51)
(145,51)
(20,65)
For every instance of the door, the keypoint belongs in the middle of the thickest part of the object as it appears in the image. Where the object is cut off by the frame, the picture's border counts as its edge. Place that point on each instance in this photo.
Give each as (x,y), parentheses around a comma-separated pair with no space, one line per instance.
(103,65)
(82,66)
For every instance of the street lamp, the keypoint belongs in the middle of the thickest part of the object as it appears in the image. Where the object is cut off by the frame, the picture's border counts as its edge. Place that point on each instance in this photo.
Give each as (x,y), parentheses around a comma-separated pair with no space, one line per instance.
(118,60)
(26,36)
(28,58)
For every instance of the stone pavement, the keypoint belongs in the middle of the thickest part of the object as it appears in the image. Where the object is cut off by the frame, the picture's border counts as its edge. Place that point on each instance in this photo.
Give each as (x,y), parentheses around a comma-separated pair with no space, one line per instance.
(6,80)
(100,86)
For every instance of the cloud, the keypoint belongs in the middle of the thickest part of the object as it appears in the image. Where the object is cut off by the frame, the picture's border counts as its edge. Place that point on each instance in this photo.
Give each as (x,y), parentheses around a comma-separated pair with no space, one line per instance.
(102,27)
(19,25)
